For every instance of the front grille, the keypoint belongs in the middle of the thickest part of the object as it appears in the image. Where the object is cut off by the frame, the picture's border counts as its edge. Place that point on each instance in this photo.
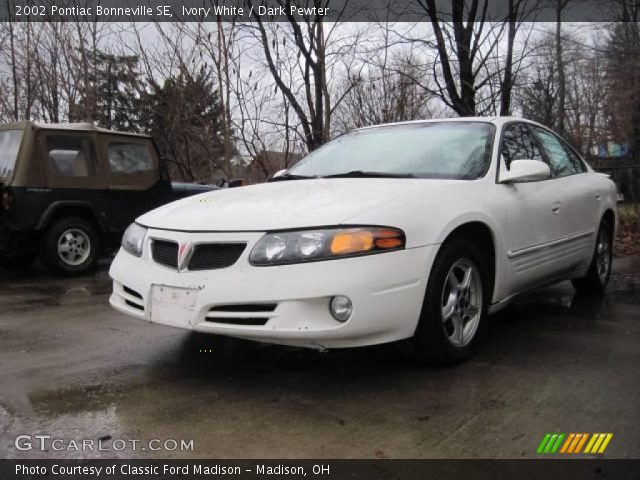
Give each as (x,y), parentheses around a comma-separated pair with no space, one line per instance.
(134,305)
(205,256)
(245,307)
(246,321)
(131,292)
(248,314)
(210,256)
(165,253)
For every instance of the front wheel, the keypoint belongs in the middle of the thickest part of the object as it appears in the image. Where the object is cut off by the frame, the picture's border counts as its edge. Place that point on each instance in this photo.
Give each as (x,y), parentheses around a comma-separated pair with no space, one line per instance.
(597,277)
(70,246)
(455,305)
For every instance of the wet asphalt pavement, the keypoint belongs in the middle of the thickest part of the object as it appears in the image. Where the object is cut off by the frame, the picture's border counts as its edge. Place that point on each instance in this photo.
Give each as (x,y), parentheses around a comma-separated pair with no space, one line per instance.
(73,368)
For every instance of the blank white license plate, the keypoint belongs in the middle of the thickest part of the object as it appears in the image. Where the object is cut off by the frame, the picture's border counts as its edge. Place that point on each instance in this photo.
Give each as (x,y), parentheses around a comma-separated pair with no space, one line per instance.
(173,305)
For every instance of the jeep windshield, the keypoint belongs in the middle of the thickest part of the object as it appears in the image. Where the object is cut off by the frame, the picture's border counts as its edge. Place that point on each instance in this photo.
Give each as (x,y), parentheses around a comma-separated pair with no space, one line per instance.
(9,145)
(448,150)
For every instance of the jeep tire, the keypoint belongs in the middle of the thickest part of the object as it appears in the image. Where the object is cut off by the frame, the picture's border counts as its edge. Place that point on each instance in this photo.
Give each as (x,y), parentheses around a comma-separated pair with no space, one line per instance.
(70,246)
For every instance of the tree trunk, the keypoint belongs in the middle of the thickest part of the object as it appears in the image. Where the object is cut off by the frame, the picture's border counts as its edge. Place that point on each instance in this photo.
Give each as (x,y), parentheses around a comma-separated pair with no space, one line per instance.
(14,71)
(507,80)
(560,67)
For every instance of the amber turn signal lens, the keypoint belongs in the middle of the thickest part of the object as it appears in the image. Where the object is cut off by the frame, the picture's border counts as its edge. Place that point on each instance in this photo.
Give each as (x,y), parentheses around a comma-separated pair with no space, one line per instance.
(359,241)
(389,243)
(352,242)
(387,238)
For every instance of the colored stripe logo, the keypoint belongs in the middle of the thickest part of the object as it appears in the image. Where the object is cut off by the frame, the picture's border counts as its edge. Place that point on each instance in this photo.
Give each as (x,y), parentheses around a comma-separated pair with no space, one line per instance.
(574,443)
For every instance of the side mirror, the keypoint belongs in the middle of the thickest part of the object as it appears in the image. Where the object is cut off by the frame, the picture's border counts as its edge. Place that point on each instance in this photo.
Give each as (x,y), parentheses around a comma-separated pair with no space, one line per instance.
(278,173)
(525,171)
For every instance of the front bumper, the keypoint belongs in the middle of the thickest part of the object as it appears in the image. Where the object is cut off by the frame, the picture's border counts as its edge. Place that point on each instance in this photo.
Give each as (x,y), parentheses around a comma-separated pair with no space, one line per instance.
(386,290)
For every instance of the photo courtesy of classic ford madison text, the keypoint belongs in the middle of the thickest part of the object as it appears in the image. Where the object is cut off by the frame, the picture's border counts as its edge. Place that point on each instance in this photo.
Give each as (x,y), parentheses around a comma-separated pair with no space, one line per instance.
(319,238)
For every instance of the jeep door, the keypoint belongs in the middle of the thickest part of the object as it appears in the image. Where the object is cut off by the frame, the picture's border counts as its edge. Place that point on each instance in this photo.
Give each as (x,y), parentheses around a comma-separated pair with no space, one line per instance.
(73,173)
(135,184)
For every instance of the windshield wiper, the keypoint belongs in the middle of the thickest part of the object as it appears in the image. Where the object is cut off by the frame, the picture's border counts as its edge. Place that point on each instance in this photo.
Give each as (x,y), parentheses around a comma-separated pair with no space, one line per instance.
(291,176)
(365,174)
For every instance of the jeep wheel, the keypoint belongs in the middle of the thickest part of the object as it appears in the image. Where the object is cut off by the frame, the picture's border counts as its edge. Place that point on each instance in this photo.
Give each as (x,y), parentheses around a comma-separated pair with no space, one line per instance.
(18,261)
(70,246)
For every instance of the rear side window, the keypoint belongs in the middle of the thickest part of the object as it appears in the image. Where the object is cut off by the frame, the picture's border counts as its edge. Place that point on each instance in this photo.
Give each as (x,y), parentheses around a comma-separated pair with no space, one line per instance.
(519,144)
(575,158)
(129,158)
(9,146)
(71,155)
(562,163)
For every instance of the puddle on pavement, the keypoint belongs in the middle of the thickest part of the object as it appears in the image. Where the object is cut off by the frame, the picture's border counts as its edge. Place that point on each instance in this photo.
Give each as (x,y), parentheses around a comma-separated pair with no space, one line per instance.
(74,400)
(48,295)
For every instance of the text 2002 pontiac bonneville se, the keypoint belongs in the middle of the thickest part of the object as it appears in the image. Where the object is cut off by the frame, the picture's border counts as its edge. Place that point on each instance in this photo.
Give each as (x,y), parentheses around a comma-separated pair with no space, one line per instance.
(406,231)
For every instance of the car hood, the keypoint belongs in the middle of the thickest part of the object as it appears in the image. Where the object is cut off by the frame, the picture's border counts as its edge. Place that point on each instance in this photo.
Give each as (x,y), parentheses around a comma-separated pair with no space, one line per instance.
(290,204)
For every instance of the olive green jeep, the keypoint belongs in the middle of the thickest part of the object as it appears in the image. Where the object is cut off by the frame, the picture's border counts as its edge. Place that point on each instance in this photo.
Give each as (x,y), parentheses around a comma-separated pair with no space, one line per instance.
(68,191)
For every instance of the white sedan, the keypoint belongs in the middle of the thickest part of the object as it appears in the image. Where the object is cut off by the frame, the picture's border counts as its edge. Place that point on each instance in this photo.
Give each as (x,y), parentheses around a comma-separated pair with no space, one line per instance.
(413,231)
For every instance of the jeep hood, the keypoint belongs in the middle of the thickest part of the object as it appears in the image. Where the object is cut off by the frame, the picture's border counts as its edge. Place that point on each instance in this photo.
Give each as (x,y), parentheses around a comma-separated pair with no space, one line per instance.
(289,204)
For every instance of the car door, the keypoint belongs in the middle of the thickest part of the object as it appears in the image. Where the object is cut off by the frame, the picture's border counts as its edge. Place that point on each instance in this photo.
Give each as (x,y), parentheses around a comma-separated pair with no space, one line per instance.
(135,186)
(532,215)
(580,207)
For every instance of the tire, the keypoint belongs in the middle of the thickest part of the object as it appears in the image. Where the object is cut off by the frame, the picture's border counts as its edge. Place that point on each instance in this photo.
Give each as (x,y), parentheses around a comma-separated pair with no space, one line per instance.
(597,277)
(19,261)
(70,246)
(443,342)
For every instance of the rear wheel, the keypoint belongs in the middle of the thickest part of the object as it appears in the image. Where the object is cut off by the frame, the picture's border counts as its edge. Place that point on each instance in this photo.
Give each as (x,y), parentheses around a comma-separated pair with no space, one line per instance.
(70,246)
(597,277)
(455,305)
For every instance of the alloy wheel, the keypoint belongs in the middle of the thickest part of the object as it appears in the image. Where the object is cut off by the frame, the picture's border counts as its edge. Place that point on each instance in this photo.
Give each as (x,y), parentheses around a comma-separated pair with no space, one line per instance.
(74,246)
(461,305)
(603,255)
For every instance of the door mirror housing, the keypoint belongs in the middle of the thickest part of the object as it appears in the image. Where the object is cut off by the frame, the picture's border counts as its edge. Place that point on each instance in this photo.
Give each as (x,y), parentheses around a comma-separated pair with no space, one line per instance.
(525,171)
(278,173)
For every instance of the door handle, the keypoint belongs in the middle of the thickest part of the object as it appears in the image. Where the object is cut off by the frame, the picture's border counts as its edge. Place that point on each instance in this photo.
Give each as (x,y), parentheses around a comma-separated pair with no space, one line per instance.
(598,196)
(555,208)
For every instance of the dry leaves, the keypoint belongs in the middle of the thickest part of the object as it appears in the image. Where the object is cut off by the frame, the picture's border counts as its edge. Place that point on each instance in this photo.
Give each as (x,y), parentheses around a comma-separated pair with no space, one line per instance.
(628,238)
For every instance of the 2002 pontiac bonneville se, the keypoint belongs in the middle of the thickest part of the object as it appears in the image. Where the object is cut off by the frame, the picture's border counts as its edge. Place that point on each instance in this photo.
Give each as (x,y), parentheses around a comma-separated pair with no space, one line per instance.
(408,231)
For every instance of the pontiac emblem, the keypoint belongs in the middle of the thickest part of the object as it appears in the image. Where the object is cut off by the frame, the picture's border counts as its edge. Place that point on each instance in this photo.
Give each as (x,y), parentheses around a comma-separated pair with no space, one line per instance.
(184,250)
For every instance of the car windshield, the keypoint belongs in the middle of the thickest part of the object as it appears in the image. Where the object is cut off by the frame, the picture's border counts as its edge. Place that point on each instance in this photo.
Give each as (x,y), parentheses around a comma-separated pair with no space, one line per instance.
(9,145)
(448,150)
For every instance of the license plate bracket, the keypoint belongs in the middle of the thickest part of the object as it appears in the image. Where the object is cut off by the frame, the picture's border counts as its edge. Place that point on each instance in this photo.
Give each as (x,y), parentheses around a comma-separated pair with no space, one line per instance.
(173,305)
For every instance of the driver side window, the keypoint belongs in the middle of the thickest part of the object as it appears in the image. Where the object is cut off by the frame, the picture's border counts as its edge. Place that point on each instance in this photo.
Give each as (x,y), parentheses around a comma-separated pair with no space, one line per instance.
(518,144)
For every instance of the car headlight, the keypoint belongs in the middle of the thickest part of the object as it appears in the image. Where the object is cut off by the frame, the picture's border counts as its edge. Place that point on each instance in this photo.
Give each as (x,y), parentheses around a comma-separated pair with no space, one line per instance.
(133,239)
(324,244)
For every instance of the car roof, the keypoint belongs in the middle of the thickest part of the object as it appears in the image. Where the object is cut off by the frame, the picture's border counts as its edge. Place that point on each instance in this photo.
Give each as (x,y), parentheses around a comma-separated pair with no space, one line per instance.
(78,127)
(496,120)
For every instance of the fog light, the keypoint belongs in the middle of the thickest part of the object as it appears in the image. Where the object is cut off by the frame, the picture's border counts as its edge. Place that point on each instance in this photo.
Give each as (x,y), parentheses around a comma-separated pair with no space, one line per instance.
(341,308)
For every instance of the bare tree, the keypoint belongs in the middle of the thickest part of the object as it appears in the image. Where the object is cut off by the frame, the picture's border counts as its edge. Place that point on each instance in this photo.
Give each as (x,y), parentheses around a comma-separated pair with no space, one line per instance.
(463,47)
(560,6)
(518,11)
(308,93)
(383,93)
